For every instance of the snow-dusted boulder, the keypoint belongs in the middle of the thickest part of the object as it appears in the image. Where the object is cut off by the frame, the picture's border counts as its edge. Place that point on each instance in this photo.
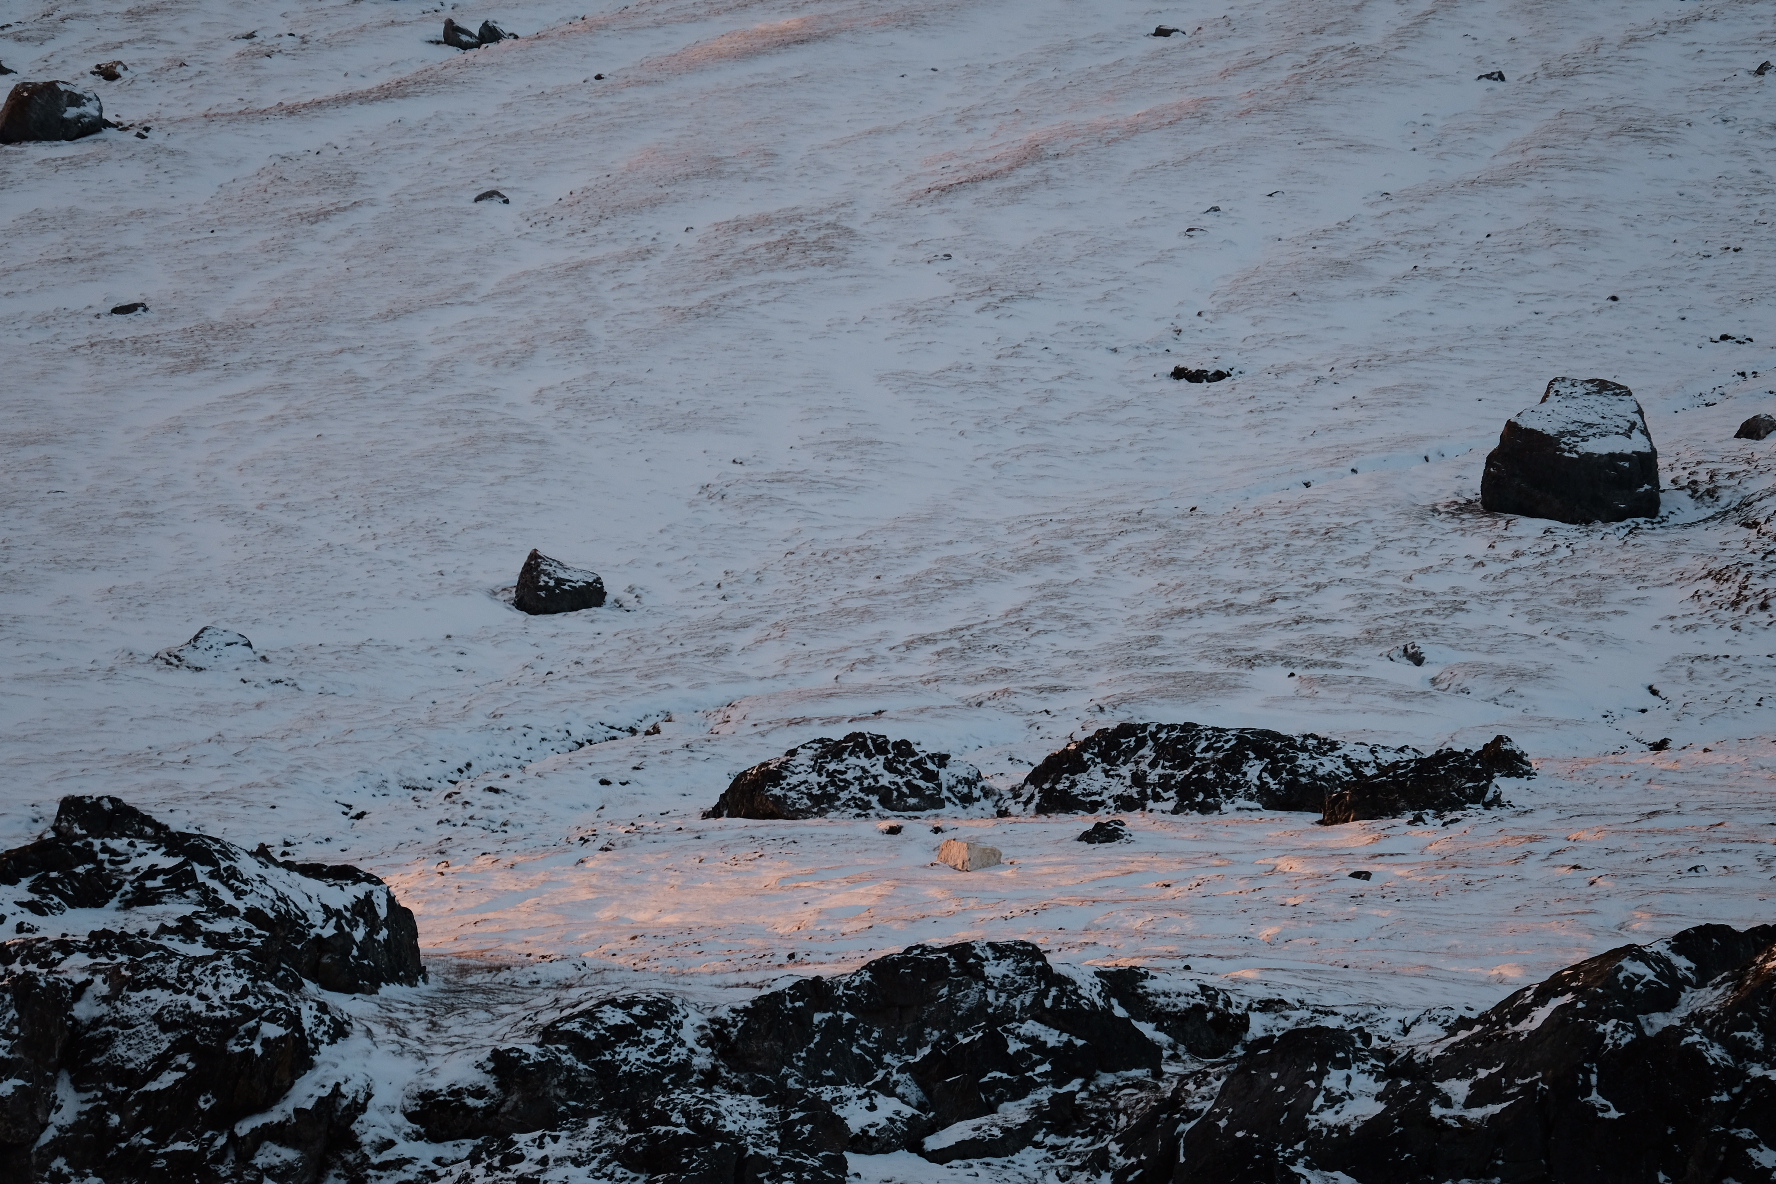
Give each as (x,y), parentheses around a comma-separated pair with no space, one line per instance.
(1758,427)
(861,776)
(1111,830)
(49,111)
(1583,454)
(211,648)
(458,37)
(547,585)
(157,988)
(1194,768)
(1453,779)
(1642,1065)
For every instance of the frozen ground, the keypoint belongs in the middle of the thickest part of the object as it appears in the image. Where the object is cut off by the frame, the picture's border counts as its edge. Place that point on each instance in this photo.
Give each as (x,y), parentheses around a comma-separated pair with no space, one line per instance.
(834,335)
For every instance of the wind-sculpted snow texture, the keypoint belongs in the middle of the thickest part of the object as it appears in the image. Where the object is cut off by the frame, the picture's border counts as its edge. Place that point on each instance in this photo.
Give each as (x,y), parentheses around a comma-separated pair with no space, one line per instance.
(155,991)
(861,776)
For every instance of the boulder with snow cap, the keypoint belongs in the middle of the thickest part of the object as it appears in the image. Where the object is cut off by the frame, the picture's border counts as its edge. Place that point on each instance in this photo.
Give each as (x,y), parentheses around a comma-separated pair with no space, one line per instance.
(547,586)
(211,648)
(49,111)
(863,775)
(176,984)
(1583,454)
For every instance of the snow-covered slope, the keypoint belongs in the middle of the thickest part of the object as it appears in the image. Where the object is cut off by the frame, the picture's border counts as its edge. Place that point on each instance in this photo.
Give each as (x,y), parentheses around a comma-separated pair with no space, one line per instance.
(835,337)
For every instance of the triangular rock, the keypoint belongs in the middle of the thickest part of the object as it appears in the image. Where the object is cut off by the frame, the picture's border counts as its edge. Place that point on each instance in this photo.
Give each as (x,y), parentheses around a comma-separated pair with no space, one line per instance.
(548,586)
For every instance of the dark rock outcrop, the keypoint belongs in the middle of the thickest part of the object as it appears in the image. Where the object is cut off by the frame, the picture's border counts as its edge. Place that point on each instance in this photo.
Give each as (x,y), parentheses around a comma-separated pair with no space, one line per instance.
(49,111)
(1164,31)
(1194,768)
(1758,427)
(130,309)
(1643,1065)
(109,71)
(493,195)
(1491,76)
(1453,779)
(1111,830)
(458,37)
(1191,374)
(953,1052)
(861,776)
(161,975)
(211,648)
(548,586)
(489,33)
(1583,454)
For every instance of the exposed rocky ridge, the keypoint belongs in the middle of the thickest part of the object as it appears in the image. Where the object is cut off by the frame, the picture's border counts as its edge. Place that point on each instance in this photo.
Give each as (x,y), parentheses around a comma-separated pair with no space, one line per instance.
(861,776)
(1642,1065)
(1192,768)
(170,980)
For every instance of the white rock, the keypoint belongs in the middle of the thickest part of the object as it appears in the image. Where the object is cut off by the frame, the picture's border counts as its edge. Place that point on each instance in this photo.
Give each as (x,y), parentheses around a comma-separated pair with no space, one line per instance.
(968,857)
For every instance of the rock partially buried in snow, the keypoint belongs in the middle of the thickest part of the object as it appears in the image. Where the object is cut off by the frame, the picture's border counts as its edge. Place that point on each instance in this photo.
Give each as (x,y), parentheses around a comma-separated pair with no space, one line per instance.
(1453,779)
(211,648)
(109,71)
(1194,768)
(49,111)
(968,857)
(493,195)
(548,586)
(1190,374)
(489,33)
(1583,454)
(458,37)
(1111,830)
(166,989)
(1758,427)
(863,775)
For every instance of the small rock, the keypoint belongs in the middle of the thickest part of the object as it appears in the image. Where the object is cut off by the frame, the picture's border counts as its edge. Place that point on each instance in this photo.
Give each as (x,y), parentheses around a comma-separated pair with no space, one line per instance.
(109,71)
(1758,427)
(1111,830)
(1164,31)
(49,111)
(1763,69)
(493,195)
(968,857)
(490,33)
(548,586)
(1660,745)
(124,310)
(4,70)
(1186,374)
(211,648)
(1407,653)
(458,37)
(1362,875)
(1495,76)
(1583,454)
(889,828)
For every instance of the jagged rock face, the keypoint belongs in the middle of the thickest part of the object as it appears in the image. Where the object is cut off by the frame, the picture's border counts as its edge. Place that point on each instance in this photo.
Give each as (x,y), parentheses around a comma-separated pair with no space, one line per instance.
(547,586)
(952,1052)
(49,111)
(1583,454)
(211,648)
(1452,779)
(1643,1065)
(163,973)
(1193,768)
(860,776)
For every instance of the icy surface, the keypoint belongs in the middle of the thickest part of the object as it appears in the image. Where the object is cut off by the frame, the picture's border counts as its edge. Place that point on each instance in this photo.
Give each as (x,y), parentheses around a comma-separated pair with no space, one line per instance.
(888,430)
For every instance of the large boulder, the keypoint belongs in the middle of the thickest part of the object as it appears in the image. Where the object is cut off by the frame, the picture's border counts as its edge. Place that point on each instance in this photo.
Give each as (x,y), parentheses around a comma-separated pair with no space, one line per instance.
(1643,1065)
(160,987)
(547,586)
(49,111)
(861,776)
(1453,779)
(1583,454)
(1758,427)
(1195,768)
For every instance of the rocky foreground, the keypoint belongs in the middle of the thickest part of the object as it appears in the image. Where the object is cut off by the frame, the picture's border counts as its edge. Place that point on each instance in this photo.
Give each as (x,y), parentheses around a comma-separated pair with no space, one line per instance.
(163,996)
